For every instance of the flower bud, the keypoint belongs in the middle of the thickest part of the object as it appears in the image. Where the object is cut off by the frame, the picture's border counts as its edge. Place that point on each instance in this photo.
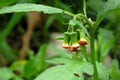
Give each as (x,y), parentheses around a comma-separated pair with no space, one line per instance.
(72,49)
(73,40)
(66,40)
(82,40)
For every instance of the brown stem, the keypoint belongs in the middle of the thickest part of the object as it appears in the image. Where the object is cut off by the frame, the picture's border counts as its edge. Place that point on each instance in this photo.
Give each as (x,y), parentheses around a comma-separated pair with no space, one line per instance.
(32,19)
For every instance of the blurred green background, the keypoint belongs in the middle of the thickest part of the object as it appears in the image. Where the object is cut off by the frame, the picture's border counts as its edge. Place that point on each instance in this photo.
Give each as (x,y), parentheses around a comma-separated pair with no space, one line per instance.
(26,38)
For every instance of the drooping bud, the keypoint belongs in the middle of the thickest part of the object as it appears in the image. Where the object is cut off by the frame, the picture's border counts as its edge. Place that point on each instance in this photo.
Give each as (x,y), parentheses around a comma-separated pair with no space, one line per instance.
(72,49)
(73,40)
(82,40)
(66,40)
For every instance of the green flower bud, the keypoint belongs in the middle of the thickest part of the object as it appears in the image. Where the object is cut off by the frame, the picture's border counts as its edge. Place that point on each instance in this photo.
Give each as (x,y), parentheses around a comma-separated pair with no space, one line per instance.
(82,40)
(66,40)
(73,40)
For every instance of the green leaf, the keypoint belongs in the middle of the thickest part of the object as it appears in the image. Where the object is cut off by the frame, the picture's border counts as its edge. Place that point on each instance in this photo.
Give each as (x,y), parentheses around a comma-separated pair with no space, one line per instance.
(18,66)
(11,24)
(35,65)
(6,2)
(106,40)
(60,61)
(6,74)
(60,52)
(115,71)
(115,74)
(110,6)
(16,17)
(30,54)
(49,22)
(93,4)
(115,63)
(73,22)
(71,70)
(6,50)
(30,7)
(103,72)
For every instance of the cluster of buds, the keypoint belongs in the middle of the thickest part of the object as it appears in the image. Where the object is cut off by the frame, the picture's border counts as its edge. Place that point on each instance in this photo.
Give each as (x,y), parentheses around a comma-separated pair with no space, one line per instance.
(71,41)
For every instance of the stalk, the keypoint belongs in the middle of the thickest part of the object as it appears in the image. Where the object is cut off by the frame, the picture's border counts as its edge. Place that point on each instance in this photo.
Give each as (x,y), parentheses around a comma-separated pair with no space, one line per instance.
(92,31)
(69,13)
(93,56)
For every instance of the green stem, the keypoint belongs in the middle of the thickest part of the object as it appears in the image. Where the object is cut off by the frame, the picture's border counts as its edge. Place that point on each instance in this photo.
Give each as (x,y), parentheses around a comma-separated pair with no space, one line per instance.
(83,17)
(98,53)
(84,8)
(93,56)
(69,13)
(86,19)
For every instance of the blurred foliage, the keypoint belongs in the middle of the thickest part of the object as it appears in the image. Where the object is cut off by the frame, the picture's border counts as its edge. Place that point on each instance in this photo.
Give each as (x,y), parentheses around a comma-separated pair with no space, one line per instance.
(6,74)
(13,25)
(68,69)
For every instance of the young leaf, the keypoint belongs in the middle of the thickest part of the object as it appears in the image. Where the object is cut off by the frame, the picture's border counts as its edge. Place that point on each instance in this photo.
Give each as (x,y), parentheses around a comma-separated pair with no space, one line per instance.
(30,7)
(72,68)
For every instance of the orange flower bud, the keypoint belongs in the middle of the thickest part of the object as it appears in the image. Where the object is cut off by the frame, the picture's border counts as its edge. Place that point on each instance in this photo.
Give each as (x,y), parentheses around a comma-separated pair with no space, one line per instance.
(76,45)
(83,42)
(66,46)
(72,49)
